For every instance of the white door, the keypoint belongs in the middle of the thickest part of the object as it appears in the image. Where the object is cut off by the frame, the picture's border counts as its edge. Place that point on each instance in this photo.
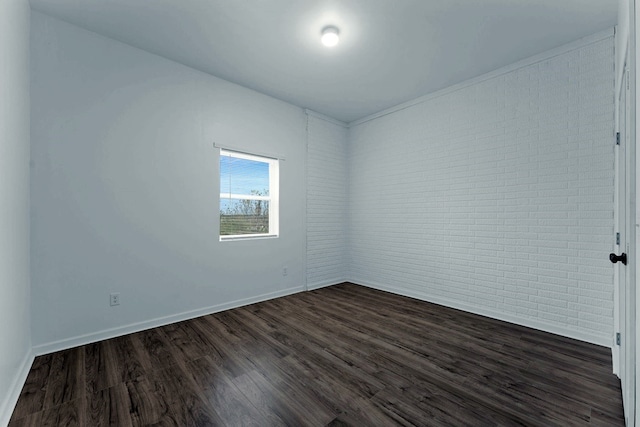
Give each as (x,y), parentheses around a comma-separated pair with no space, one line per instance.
(625,292)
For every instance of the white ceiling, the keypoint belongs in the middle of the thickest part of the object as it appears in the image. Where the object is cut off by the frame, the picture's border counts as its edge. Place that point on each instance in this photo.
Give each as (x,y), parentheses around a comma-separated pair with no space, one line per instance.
(390,51)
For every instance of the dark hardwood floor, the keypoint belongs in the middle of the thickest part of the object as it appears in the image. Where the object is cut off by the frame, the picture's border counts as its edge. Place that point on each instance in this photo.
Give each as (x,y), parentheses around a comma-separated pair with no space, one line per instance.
(343,355)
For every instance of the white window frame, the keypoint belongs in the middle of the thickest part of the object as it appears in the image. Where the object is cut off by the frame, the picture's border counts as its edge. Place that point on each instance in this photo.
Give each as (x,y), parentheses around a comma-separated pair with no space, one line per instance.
(273,198)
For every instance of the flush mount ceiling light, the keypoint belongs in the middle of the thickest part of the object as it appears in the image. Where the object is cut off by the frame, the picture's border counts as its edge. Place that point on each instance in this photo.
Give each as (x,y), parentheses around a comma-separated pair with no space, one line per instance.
(330,36)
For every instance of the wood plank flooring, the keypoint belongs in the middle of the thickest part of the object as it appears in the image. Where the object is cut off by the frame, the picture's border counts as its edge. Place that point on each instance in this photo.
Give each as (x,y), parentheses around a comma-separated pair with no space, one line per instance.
(343,355)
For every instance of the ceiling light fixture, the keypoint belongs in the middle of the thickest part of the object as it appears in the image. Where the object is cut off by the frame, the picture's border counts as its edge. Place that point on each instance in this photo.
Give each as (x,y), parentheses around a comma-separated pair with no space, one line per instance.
(330,36)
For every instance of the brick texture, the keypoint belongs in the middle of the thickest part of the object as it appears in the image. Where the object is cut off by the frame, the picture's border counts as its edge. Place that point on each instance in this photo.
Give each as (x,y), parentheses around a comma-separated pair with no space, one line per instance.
(495,198)
(327,201)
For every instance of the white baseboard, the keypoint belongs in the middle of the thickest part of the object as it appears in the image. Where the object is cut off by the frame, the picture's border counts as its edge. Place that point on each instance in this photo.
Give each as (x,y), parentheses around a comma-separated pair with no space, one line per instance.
(76,341)
(7,407)
(9,403)
(602,340)
(615,357)
(324,284)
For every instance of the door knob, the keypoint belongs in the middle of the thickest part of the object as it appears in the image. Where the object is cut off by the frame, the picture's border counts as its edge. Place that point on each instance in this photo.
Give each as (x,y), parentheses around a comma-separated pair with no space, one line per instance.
(615,258)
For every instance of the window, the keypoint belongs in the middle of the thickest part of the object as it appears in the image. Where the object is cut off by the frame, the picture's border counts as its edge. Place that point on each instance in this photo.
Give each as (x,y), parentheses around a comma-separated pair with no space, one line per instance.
(248,196)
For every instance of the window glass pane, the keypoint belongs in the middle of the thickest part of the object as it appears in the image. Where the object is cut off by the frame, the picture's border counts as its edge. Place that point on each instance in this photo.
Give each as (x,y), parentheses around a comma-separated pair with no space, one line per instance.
(243,216)
(248,206)
(242,176)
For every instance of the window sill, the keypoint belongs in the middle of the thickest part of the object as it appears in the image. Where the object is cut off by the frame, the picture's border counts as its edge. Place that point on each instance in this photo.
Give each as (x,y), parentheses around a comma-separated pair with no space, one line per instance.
(247,237)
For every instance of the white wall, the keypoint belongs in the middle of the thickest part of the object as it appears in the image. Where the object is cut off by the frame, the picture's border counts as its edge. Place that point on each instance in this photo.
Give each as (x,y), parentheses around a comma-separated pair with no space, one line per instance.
(125,189)
(499,193)
(622,40)
(496,196)
(15,331)
(327,201)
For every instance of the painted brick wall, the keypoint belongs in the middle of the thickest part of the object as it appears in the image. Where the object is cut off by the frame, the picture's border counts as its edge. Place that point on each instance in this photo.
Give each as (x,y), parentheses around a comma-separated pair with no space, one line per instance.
(496,197)
(327,186)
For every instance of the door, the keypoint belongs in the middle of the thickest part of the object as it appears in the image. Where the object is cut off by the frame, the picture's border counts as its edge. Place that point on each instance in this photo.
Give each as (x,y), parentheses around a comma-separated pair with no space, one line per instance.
(625,291)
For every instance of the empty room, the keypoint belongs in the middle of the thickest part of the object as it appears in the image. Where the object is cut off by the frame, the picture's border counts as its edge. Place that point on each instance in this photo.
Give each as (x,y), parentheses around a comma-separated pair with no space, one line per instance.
(314,212)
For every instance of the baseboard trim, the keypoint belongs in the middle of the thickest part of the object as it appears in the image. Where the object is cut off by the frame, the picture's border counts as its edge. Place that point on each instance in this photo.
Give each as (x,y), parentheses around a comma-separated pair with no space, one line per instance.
(67,343)
(324,284)
(76,341)
(9,404)
(603,340)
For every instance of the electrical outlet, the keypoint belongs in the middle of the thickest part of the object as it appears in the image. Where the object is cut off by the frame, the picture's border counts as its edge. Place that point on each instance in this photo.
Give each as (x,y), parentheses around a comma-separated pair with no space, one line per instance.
(285,271)
(114,299)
